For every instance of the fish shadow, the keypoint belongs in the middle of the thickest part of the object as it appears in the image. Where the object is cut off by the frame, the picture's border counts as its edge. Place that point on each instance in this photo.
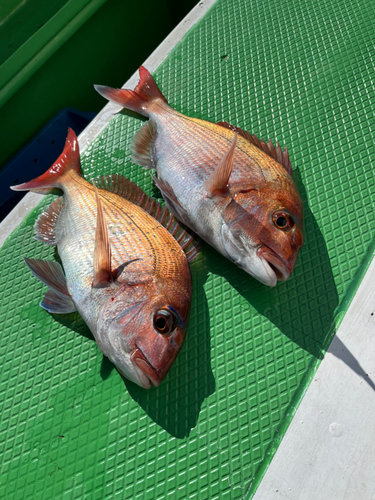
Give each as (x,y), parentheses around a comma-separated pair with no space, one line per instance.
(175,405)
(74,322)
(303,307)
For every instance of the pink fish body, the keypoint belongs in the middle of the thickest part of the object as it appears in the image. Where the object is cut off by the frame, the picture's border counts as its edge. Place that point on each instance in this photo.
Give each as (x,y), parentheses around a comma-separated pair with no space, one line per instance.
(124,272)
(234,191)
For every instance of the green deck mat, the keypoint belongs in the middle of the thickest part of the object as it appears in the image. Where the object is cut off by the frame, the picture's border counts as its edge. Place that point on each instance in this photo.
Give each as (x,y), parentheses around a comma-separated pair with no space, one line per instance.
(301,73)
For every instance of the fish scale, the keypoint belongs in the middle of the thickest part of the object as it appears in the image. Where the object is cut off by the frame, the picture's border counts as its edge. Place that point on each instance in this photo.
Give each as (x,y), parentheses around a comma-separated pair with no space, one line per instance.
(156,249)
(212,146)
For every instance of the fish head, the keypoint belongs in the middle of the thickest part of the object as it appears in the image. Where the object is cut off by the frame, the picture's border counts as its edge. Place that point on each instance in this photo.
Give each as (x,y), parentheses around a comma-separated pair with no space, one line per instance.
(142,329)
(262,232)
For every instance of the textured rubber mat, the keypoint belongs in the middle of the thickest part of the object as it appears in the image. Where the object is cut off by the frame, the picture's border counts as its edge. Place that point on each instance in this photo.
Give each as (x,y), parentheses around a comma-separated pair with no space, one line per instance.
(301,73)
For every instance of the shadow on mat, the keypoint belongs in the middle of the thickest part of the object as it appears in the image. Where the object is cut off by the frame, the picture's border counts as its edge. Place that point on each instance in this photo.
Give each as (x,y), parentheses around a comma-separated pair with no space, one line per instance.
(175,405)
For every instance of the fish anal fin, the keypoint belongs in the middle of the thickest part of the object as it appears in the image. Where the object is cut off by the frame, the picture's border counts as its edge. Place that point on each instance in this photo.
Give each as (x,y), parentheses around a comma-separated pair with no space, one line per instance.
(51,274)
(217,183)
(102,253)
(44,226)
(277,153)
(142,144)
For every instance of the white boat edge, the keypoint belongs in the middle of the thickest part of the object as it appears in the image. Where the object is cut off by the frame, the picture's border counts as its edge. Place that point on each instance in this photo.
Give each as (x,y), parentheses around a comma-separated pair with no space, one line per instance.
(328,450)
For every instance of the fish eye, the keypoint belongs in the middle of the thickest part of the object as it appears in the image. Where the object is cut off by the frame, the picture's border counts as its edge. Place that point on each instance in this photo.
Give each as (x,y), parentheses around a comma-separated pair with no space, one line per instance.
(283,220)
(165,321)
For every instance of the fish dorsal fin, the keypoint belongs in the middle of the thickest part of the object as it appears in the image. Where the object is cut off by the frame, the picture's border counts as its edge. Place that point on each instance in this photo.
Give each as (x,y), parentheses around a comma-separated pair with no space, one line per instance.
(117,184)
(123,187)
(277,154)
(142,144)
(44,226)
(217,182)
(102,253)
(57,299)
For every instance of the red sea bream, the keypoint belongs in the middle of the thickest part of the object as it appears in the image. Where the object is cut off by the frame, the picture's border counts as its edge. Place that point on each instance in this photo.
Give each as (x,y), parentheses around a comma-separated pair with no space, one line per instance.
(233,190)
(124,272)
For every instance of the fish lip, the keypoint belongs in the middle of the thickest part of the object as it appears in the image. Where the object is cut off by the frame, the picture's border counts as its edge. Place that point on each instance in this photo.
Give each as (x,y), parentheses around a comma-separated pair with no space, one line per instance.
(276,264)
(141,362)
(145,381)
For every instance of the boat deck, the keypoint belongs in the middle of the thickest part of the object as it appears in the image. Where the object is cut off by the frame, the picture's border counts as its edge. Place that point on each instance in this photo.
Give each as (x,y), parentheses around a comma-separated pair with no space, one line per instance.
(261,402)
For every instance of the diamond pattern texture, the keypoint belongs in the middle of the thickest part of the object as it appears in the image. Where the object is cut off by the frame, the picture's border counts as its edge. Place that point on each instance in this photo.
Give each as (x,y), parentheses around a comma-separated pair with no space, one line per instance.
(301,73)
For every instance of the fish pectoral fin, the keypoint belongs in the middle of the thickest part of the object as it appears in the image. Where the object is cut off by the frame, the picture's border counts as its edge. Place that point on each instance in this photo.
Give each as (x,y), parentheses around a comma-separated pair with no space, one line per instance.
(117,272)
(56,304)
(102,253)
(58,298)
(277,154)
(142,145)
(217,182)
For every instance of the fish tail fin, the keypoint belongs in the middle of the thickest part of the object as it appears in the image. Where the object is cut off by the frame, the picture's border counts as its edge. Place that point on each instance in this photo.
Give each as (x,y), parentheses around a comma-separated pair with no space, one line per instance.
(137,100)
(68,160)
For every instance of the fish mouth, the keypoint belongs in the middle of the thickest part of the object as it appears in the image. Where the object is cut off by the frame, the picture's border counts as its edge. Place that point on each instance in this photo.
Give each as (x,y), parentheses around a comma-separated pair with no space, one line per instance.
(276,265)
(147,371)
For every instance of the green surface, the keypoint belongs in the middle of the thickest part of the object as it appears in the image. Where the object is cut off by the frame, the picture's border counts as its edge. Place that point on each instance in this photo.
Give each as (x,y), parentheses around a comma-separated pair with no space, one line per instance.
(71,427)
(21,19)
(51,57)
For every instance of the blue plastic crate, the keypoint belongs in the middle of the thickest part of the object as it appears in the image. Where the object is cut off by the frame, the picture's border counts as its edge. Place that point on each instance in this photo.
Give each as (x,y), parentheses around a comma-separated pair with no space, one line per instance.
(39,154)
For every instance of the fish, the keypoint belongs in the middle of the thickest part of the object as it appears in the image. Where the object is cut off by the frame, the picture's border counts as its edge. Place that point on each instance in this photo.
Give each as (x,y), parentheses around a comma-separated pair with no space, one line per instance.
(125,266)
(232,189)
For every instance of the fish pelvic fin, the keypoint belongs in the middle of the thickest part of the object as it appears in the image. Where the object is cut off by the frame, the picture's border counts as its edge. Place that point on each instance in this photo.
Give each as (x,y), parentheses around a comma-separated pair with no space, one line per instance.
(53,303)
(102,254)
(57,299)
(142,144)
(44,226)
(187,239)
(168,217)
(170,198)
(68,160)
(217,183)
(137,100)
(276,153)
